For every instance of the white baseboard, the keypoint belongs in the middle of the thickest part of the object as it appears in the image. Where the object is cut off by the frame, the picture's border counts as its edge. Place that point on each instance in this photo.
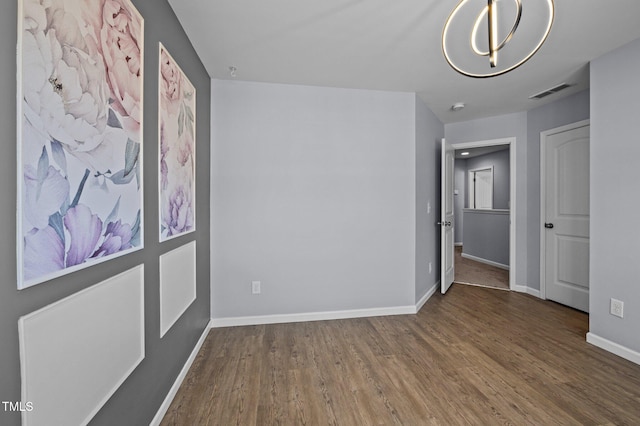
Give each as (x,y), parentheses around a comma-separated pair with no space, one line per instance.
(534,292)
(482,285)
(485,261)
(427,296)
(311,316)
(528,290)
(520,288)
(157,419)
(614,348)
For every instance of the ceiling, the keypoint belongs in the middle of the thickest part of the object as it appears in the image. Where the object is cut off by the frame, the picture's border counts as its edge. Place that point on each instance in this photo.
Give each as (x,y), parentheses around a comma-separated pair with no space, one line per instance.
(481,150)
(396,46)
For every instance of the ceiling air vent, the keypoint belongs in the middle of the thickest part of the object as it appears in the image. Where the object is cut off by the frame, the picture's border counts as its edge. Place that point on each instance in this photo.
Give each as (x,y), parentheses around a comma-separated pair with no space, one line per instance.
(550,91)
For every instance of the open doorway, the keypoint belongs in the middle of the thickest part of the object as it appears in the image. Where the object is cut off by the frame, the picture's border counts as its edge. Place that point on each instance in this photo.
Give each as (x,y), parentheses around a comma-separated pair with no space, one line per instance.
(483,197)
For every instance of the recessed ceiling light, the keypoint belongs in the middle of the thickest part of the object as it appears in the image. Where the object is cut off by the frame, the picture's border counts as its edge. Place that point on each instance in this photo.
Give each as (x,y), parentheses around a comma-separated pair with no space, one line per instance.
(464,153)
(457,106)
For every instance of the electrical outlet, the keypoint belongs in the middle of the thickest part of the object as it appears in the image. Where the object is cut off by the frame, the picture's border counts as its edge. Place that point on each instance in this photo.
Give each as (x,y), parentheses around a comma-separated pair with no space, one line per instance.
(430,267)
(617,308)
(255,287)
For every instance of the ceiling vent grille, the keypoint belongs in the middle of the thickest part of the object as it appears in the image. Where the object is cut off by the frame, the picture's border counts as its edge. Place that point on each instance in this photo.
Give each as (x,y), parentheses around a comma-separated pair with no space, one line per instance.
(550,91)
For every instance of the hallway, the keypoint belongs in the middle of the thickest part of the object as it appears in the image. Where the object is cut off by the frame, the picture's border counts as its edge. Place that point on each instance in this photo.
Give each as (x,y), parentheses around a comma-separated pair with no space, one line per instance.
(469,271)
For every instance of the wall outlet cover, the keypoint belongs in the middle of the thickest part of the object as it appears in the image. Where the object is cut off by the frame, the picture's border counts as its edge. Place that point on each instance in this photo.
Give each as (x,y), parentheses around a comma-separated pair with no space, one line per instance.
(617,308)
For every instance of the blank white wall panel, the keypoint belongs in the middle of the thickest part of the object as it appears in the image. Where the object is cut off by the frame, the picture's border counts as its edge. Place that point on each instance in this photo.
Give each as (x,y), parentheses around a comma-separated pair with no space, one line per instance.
(177,284)
(76,352)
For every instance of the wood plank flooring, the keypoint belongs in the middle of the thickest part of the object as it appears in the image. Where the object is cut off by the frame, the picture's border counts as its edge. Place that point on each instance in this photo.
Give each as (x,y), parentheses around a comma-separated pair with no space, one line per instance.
(469,271)
(474,356)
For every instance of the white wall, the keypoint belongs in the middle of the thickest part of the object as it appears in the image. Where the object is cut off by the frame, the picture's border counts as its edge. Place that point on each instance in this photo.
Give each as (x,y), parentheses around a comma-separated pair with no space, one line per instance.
(314,195)
(615,198)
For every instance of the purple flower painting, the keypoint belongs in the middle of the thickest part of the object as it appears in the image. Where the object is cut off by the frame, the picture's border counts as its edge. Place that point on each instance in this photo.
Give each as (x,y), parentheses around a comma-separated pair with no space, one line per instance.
(80,135)
(177,128)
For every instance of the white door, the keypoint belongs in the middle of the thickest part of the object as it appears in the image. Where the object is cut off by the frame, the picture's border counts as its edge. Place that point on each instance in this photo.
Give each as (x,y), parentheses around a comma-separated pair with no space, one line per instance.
(481,188)
(446,217)
(566,216)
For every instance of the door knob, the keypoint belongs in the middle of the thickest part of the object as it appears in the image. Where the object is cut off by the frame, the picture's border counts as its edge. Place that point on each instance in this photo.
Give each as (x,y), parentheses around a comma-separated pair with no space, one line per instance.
(548,225)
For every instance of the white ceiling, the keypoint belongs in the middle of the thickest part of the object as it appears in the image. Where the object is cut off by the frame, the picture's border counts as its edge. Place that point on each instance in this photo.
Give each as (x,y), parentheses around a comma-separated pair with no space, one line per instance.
(396,45)
(481,150)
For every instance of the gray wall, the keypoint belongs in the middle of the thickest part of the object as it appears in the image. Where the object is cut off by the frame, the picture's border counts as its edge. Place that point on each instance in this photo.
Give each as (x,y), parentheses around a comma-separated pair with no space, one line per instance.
(501,178)
(314,195)
(138,399)
(509,125)
(615,232)
(429,133)
(565,111)
(486,235)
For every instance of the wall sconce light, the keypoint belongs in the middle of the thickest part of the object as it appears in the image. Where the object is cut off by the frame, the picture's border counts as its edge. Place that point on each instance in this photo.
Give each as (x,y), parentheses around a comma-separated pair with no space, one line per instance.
(466,46)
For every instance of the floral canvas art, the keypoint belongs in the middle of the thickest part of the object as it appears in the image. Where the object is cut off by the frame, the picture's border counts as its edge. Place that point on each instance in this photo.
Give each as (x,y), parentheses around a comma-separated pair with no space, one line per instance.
(177,122)
(80,80)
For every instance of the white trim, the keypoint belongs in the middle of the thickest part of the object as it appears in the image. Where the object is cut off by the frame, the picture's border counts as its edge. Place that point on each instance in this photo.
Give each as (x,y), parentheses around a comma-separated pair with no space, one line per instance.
(324,316)
(511,141)
(177,284)
(82,323)
(458,244)
(543,195)
(482,285)
(485,261)
(520,288)
(533,292)
(157,419)
(312,316)
(528,290)
(427,296)
(614,348)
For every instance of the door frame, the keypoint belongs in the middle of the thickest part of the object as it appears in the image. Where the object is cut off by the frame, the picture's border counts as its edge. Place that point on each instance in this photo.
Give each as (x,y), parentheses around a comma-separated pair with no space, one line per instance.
(543,196)
(511,141)
(447,175)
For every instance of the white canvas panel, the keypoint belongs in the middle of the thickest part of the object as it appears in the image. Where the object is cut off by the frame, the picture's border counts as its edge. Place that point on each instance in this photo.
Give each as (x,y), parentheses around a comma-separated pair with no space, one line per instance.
(177,284)
(76,352)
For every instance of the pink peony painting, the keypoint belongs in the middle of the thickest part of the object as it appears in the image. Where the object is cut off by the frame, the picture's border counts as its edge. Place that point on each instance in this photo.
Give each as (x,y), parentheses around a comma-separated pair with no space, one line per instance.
(80,80)
(177,131)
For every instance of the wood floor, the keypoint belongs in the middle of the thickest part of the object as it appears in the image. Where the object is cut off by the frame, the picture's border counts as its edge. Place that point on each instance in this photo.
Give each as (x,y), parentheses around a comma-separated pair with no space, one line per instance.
(469,271)
(474,356)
